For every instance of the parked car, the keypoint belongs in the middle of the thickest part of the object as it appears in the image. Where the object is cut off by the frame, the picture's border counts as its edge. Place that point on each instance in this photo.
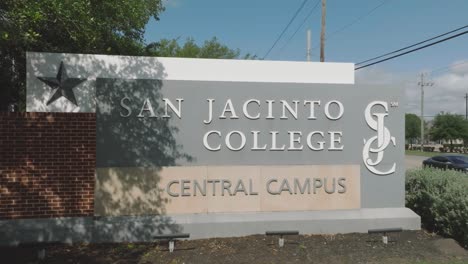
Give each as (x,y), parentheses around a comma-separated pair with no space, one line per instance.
(451,162)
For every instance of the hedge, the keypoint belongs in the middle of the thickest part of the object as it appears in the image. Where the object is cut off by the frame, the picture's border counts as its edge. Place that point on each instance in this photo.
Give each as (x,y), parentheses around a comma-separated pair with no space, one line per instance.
(441,199)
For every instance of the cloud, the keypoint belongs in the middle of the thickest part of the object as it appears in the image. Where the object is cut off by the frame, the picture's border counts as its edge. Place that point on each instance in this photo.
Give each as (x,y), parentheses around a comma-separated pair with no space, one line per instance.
(460,67)
(446,94)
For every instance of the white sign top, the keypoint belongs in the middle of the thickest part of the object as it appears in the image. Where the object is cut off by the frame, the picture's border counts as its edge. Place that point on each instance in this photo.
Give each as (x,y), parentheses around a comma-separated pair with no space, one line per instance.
(43,98)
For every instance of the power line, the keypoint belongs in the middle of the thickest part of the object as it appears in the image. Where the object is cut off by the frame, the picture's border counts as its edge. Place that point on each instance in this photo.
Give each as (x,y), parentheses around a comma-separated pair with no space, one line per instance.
(302,24)
(358,19)
(354,21)
(416,44)
(413,50)
(287,26)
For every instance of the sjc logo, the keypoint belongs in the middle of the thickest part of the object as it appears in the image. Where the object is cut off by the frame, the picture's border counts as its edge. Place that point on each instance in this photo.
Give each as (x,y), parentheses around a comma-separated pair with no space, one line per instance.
(383,139)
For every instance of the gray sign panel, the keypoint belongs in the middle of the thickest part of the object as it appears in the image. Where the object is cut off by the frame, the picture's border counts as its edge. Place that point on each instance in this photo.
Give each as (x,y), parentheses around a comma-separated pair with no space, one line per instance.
(166,123)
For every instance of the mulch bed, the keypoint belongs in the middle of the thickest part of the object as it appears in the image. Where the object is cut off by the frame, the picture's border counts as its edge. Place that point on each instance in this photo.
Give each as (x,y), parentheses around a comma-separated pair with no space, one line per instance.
(408,247)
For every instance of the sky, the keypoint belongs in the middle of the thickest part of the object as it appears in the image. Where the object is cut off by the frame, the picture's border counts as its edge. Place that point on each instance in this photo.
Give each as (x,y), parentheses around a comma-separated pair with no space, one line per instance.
(354,33)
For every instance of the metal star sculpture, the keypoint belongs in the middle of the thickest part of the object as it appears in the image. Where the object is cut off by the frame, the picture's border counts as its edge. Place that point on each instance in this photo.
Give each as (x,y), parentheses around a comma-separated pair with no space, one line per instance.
(63,84)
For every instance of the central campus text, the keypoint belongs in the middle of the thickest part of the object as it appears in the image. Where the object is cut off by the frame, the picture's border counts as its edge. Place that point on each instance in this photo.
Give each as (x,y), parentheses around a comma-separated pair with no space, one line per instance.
(274,186)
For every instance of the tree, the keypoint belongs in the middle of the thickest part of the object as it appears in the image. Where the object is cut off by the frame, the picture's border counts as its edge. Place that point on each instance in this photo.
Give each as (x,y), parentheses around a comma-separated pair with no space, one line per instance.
(412,127)
(83,26)
(210,49)
(79,26)
(449,127)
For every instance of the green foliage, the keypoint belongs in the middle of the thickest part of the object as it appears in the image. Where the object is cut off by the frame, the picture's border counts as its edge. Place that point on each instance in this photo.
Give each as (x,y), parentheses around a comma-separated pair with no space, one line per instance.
(449,127)
(441,199)
(78,26)
(210,49)
(412,127)
(83,26)
(86,26)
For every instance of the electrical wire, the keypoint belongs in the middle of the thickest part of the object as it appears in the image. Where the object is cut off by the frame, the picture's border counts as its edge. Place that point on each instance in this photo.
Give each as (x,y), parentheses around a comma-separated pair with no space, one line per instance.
(302,24)
(353,22)
(413,45)
(287,26)
(357,20)
(413,50)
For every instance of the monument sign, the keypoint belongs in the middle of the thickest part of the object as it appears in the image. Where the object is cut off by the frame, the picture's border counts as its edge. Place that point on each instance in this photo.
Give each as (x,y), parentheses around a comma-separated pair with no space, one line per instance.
(232,147)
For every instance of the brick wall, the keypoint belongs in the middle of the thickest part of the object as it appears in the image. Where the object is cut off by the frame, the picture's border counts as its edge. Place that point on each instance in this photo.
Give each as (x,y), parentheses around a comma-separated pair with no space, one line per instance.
(47,163)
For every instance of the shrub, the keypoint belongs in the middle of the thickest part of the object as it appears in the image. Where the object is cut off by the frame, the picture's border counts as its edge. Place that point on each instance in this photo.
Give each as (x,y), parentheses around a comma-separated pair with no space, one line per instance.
(441,199)
(452,147)
(428,149)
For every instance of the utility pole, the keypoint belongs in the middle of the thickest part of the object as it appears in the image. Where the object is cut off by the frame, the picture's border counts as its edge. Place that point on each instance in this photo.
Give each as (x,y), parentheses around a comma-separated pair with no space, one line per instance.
(322,33)
(422,83)
(308,44)
(466,106)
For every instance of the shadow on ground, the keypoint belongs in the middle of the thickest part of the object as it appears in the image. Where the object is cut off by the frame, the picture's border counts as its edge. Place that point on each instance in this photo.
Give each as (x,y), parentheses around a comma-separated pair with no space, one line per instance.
(408,247)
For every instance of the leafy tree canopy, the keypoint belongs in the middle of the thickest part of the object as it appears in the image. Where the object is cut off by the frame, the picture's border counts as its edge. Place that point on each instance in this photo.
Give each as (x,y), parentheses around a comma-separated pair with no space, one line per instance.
(78,26)
(190,49)
(83,26)
(449,127)
(412,127)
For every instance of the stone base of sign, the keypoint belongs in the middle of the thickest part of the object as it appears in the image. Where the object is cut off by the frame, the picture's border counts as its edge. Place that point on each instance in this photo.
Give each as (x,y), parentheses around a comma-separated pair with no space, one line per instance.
(143,228)
(249,189)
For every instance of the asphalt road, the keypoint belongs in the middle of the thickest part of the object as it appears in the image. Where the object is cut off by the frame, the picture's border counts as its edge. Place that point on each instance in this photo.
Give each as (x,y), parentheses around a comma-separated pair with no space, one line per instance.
(413,162)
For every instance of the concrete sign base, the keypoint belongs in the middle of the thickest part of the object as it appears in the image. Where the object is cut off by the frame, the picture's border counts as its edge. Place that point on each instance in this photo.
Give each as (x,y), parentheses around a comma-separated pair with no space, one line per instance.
(143,228)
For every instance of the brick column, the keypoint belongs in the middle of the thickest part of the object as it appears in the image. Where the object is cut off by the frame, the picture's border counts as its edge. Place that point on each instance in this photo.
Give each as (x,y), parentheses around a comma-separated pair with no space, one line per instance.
(47,163)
